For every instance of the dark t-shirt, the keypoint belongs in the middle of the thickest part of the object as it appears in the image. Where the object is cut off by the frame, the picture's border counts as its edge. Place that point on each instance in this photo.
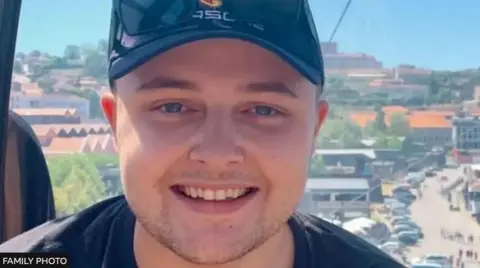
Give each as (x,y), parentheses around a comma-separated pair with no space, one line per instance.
(102,236)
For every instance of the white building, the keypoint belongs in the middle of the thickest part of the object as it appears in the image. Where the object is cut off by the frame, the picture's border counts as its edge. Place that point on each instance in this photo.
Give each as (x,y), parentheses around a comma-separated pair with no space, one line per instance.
(325,196)
(36,99)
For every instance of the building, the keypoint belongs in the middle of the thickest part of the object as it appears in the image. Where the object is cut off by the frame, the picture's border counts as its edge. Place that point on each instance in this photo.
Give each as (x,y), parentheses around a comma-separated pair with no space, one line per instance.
(103,144)
(31,96)
(345,198)
(48,116)
(413,75)
(333,59)
(351,61)
(432,128)
(347,161)
(466,139)
(395,89)
(471,190)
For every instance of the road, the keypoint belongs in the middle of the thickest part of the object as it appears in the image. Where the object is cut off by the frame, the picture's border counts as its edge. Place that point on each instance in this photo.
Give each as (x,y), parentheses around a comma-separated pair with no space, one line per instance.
(432,213)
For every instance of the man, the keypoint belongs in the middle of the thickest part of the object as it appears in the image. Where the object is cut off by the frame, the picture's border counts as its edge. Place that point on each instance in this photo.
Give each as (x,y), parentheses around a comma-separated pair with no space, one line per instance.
(215,108)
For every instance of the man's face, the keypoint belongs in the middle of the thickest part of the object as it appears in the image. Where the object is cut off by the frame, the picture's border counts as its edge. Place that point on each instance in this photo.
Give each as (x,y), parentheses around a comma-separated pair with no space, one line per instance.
(214,140)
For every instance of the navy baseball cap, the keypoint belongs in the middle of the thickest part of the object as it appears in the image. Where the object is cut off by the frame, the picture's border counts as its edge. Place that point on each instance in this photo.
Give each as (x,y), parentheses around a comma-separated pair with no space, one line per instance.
(295,41)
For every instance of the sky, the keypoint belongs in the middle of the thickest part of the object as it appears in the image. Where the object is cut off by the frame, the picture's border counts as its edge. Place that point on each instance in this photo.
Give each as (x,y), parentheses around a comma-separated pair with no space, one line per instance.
(437,34)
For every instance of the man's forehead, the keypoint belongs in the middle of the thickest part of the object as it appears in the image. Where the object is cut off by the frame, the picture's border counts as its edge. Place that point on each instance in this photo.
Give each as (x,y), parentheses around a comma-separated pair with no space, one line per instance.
(263,86)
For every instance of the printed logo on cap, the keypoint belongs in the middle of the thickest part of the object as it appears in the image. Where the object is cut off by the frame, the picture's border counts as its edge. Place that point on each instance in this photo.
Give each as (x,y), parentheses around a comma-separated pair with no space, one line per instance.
(212,3)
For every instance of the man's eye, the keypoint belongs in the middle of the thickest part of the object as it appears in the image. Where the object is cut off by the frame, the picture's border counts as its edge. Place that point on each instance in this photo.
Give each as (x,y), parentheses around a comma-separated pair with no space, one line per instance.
(263,110)
(172,107)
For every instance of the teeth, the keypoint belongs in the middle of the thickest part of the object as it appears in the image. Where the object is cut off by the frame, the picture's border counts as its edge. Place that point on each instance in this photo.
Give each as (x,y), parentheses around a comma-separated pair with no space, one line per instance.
(210,195)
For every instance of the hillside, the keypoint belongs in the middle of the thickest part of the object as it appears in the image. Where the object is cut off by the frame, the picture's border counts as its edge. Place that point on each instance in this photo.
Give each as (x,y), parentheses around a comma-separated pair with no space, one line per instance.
(84,67)
(81,67)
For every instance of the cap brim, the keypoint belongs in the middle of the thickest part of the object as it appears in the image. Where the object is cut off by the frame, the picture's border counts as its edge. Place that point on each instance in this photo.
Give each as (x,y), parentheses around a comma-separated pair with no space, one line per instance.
(140,55)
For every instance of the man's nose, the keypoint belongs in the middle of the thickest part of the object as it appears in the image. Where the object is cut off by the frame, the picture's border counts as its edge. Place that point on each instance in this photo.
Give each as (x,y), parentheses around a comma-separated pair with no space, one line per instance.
(217,142)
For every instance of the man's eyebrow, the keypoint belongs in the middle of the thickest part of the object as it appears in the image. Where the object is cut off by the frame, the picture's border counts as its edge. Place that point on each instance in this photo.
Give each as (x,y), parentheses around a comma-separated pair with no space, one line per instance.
(271,87)
(163,82)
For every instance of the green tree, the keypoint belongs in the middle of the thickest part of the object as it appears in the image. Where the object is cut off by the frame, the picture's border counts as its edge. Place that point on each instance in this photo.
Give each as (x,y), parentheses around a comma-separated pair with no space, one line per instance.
(345,133)
(58,63)
(72,52)
(444,95)
(384,141)
(20,56)
(76,182)
(370,130)
(381,141)
(434,85)
(316,165)
(101,160)
(379,122)
(102,46)
(399,125)
(17,67)
(37,70)
(394,143)
(87,49)
(334,83)
(35,53)
(16,86)
(46,83)
(95,64)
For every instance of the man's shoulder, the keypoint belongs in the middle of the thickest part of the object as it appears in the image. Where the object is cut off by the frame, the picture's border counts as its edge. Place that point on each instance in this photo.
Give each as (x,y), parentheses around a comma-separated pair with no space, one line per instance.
(345,247)
(73,233)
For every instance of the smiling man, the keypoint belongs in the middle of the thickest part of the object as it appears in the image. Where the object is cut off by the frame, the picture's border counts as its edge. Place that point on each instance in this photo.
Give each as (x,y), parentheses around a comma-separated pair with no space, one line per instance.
(215,108)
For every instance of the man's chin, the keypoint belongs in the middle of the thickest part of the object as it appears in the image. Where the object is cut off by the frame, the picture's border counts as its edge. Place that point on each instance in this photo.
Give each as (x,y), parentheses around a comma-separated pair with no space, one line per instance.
(210,247)
(207,243)
(212,254)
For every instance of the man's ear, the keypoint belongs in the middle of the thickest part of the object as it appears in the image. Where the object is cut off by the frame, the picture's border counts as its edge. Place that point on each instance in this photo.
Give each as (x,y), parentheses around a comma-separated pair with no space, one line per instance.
(322,112)
(108,102)
(321,115)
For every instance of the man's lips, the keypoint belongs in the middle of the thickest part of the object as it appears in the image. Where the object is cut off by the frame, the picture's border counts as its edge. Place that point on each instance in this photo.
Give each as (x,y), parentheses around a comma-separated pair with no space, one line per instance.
(214,193)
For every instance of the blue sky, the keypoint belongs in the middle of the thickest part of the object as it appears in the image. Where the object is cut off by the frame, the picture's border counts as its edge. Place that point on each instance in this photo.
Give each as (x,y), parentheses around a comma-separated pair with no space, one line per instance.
(439,34)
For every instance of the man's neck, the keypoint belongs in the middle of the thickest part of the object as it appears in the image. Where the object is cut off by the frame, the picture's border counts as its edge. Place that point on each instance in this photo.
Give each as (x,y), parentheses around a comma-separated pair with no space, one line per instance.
(278,251)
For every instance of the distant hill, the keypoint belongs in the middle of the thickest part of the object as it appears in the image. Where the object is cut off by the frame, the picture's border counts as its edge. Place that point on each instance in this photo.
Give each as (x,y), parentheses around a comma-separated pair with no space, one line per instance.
(67,72)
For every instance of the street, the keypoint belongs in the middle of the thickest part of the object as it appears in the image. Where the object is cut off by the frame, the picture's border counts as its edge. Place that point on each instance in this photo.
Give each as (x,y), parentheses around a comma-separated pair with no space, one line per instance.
(432,213)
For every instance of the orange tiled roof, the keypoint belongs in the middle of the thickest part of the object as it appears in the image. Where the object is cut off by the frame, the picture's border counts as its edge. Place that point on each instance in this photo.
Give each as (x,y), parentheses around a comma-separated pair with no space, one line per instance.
(102,138)
(66,145)
(45,111)
(416,119)
(428,121)
(362,118)
(31,89)
(96,127)
(395,109)
(432,113)
(41,129)
(32,92)
(69,145)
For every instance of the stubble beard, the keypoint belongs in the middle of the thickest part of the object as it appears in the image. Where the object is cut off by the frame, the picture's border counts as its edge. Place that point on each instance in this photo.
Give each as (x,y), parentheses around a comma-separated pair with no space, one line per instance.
(161,230)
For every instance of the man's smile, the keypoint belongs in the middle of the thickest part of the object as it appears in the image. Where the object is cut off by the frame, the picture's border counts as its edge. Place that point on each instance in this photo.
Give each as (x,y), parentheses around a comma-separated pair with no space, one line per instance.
(214,199)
